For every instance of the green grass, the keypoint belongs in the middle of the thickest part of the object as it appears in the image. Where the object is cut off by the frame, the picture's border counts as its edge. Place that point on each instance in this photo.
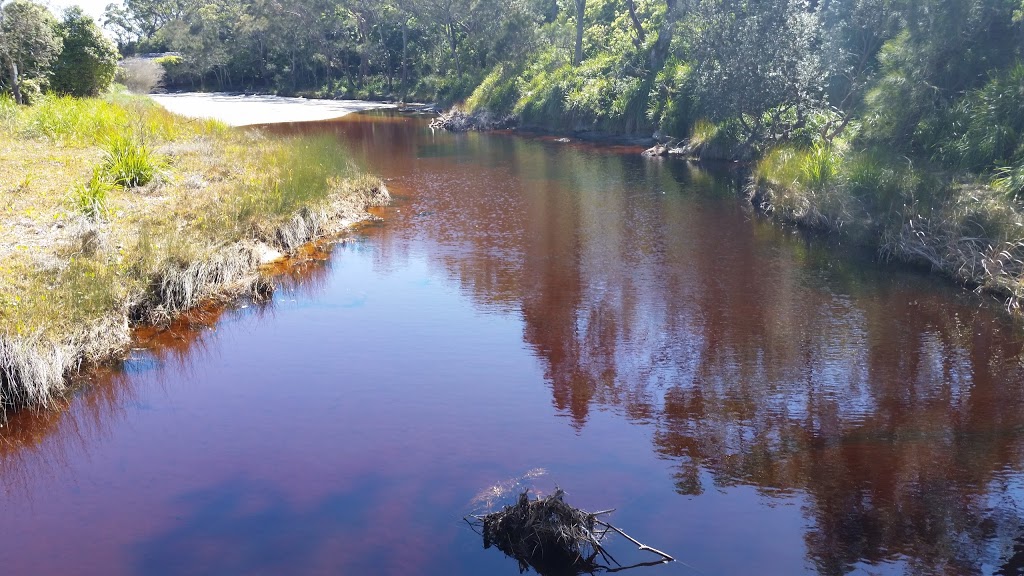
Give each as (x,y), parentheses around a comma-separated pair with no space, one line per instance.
(91,198)
(129,163)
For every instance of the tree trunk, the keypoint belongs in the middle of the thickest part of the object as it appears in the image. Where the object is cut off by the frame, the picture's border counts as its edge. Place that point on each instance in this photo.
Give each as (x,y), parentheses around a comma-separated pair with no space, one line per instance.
(454,44)
(15,86)
(581,8)
(659,53)
(405,50)
(364,49)
(637,26)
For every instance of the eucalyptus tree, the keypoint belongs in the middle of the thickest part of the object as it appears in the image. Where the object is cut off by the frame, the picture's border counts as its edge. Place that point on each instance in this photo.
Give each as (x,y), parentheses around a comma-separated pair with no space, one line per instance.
(29,42)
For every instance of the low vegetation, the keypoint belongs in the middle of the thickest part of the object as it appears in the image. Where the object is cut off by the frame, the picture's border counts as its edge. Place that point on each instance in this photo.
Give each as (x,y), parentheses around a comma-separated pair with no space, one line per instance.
(116,213)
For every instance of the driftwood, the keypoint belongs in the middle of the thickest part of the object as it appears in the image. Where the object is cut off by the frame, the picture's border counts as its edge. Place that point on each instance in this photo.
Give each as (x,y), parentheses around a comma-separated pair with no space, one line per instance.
(459,121)
(554,538)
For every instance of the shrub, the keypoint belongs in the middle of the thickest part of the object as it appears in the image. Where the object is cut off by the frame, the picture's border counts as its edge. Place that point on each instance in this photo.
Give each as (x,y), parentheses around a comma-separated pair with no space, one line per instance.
(87,63)
(141,75)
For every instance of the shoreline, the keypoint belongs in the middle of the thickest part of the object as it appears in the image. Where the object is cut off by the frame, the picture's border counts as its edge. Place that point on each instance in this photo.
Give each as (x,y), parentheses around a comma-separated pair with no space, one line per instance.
(85,270)
(245,268)
(922,233)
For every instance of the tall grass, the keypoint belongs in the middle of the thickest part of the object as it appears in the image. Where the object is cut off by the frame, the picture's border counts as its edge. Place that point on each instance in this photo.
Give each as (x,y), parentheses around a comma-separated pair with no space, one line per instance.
(802,185)
(91,198)
(129,163)
(83,122)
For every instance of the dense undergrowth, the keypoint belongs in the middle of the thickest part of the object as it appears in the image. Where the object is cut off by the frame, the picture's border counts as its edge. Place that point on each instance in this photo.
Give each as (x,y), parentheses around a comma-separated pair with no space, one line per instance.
(117,212)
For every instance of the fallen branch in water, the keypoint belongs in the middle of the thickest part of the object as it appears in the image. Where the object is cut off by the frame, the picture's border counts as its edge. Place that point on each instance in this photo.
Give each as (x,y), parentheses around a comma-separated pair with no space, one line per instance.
(552,537)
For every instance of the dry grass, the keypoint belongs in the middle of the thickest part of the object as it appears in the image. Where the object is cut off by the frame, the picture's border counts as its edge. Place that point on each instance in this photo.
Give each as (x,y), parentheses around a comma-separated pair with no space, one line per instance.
(976,236)
(81,259)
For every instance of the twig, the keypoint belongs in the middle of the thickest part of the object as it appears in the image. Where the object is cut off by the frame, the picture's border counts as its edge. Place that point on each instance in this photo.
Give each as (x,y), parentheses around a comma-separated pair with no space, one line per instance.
(639,544)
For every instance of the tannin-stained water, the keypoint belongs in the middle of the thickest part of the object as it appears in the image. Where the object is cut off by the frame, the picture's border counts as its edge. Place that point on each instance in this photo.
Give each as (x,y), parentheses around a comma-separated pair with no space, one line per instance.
(749,400)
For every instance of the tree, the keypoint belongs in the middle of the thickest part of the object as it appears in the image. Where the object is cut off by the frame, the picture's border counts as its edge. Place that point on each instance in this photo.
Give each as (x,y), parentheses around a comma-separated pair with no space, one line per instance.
(88,61)
(754,63)
(581,10)
(29,42)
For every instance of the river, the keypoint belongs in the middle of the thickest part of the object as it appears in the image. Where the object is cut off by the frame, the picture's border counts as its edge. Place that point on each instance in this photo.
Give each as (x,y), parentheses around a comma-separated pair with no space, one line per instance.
(749,400)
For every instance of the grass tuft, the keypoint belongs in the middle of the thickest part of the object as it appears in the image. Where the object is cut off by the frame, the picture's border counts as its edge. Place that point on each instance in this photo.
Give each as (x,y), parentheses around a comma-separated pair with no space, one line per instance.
(91,198)
(129,163)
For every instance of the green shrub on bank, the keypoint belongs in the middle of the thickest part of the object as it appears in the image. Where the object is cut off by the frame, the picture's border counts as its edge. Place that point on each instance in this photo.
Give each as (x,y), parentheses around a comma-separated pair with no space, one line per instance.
(498,93)
(671,106)
(987,125)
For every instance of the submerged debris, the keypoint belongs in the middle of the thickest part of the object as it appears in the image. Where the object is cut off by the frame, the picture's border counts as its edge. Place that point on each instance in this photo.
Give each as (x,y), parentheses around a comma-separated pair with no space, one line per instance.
(459,121)
(554,538)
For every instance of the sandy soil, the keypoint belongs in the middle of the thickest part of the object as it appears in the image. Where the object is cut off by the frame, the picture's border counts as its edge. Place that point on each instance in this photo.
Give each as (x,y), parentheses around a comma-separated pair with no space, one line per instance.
(236,110)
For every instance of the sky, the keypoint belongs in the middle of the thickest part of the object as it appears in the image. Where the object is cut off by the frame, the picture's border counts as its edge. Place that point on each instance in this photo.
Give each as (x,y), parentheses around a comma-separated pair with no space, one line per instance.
(93,8)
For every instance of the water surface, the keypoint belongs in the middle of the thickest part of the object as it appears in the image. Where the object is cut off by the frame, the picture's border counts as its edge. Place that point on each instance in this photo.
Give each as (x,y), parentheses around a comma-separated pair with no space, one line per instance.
(750,401)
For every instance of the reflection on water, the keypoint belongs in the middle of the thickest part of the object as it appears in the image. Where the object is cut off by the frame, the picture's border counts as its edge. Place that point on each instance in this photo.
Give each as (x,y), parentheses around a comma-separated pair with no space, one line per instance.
(708,371)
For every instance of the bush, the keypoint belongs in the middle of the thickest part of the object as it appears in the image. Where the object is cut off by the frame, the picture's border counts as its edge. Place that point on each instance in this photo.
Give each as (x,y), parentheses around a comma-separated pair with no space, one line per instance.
(141,75)
(88,61)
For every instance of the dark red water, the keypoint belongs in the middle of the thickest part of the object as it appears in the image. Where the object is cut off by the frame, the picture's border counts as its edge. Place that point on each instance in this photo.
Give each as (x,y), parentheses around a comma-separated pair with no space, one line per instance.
(750,401)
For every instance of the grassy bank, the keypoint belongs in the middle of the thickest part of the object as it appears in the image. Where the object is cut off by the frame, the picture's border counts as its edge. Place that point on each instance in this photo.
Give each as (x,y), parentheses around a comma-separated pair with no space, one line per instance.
(118,213)
(968,228)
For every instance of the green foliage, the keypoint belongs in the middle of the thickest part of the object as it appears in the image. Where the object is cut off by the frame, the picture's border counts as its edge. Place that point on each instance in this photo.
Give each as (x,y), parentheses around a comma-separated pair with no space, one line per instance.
(754,62)
(987,125)
(454,89)
(812,168)
(303,172)
(671,106)
(1010,180)
(87,121)
(498,92)
(29,41)
(91,198)
(128,162)
(87,63)
(882,183)
(169,60)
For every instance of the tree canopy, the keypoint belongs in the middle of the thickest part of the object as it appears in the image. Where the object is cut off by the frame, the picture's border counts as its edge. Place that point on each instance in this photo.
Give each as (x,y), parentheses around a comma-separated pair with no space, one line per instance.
(87,61)
(29,42)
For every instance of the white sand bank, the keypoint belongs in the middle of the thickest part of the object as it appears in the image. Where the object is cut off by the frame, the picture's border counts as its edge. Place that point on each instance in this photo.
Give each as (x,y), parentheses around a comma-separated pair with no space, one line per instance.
(238,110)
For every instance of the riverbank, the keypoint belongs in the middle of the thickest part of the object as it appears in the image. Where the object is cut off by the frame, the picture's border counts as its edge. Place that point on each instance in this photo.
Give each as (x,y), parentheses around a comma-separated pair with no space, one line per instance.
(118,213)
(959,226)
